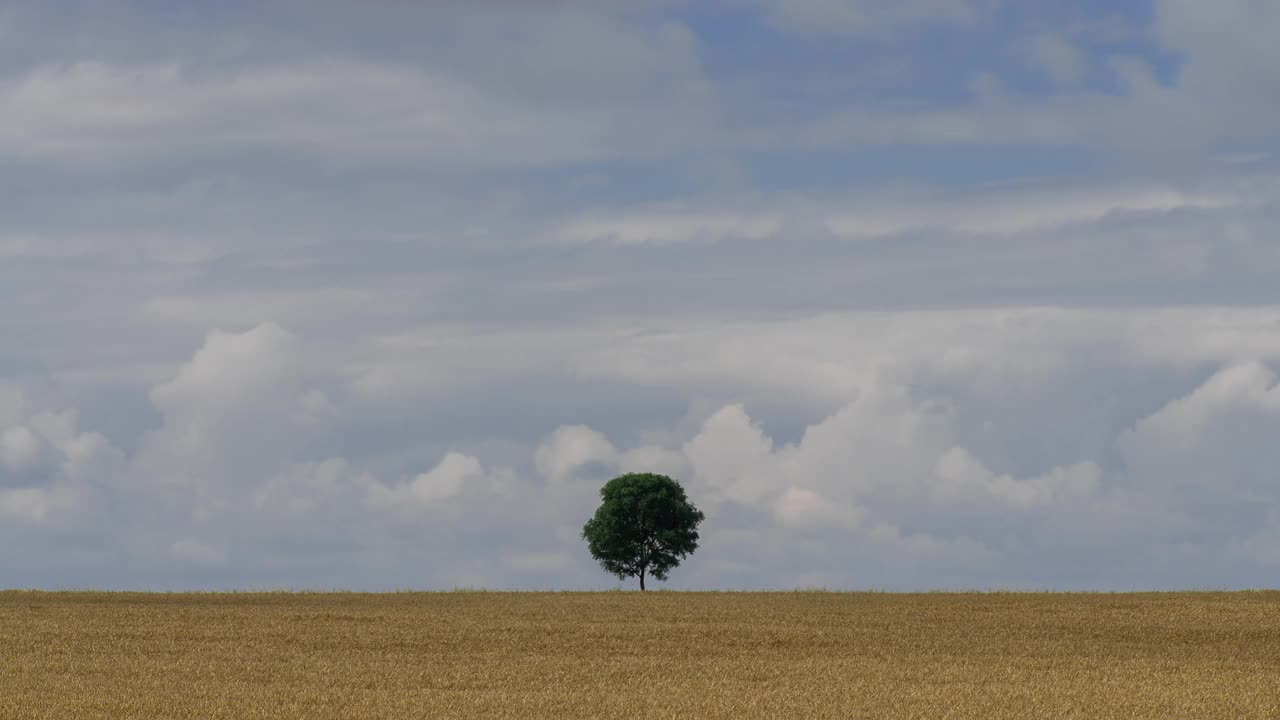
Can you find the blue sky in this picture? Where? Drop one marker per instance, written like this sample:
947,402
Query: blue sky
375,295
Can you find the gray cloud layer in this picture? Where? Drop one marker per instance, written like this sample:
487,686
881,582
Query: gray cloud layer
380,303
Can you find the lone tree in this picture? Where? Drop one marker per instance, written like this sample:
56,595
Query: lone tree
645,525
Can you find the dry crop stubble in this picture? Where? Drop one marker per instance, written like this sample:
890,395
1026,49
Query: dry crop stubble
630,655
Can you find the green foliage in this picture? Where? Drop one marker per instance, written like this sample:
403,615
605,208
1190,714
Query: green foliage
645,525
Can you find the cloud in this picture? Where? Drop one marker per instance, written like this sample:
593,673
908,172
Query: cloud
780,496
455,475
571,448
51,473
304,487
732,459
1012,211
92,109
963,478
839,355
1238,388
1216,438
232,411
241,309
11,405
888,472
574,458
347,314
1228,58
801,509
663,228
1064,62
918,471
455,109
35,505
197,552
19,448
230,369
858,17
588,85
1108,99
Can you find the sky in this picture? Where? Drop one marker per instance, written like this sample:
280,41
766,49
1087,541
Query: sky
375,295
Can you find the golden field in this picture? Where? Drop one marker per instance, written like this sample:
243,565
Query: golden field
632,655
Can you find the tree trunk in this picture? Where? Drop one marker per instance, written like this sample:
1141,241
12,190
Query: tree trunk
641,579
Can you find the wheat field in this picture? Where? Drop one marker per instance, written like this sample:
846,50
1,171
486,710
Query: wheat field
633,655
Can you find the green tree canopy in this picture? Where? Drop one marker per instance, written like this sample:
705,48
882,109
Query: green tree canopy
645,525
